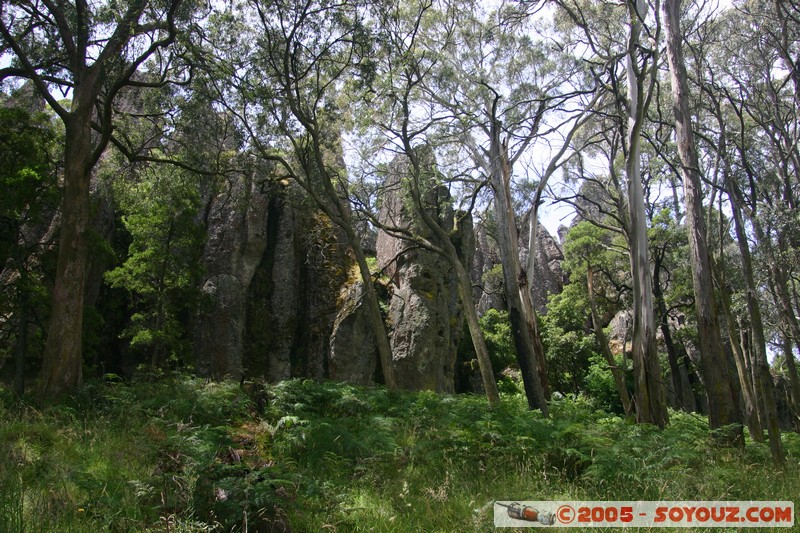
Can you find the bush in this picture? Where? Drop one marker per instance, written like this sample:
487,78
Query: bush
191,456
601,387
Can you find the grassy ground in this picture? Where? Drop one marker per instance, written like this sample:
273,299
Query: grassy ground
181,455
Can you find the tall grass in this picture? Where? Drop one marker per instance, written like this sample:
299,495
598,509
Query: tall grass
185,455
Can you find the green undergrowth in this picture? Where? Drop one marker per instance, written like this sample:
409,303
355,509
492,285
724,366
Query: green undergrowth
183,455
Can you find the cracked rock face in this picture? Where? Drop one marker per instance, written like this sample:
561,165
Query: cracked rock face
236,225
353,349
548,276
424,312
274,267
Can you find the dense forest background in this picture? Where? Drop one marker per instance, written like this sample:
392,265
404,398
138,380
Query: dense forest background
256,191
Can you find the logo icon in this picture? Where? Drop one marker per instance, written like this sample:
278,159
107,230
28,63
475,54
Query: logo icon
518,511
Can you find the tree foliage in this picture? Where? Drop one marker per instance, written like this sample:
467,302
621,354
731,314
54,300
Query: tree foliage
162,267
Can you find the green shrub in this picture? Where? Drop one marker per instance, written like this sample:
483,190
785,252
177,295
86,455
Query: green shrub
191,456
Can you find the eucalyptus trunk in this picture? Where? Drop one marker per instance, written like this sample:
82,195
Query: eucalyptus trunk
722,411
763,385
374,311
478,341
788,319
651,405
332,205
515,283
62,364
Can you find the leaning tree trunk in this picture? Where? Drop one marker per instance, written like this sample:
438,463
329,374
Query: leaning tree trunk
531,363
600,336
342,217
651,405
764,386
722,410
478,341
779,286
789,320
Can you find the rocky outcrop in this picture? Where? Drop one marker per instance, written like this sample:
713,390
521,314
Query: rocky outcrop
424,313
275,266
619,332
594,203
272,297
236,222
353,348
487,277
548,276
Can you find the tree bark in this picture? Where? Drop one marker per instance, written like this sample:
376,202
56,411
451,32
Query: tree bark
779,286
752,417
332,206
62,365
721,402
375,317
482,353
650,391
531,362
788,319
678,361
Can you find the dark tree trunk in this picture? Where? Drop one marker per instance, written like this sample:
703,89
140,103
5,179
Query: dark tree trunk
677,361
62,366
530,363
444,245
738,348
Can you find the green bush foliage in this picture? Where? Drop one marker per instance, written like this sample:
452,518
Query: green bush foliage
185,455
162,269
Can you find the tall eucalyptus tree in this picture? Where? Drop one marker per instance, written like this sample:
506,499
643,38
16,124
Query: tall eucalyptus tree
722,405
599,30
88,52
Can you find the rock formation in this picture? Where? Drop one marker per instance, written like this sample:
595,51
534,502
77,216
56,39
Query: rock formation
274,266
424,313
487,279
236,223
548,277
353,348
